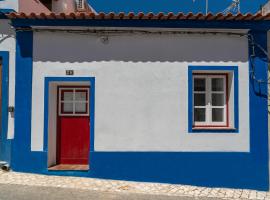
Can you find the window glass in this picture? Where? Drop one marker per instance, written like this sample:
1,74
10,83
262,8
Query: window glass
68,96
81,107
67,107
199,99
217,84
217,114
199,84
218,99
81,96
199,115
73,101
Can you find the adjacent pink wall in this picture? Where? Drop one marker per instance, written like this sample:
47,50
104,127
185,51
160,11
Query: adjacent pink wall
66,6
58,6
29,6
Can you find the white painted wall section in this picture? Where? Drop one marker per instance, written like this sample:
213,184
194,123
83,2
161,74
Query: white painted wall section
141,100
8,43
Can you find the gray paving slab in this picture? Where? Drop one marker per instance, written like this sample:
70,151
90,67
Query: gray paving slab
19,192
84,187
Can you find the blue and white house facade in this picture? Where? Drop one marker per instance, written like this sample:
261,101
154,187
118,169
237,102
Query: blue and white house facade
167,98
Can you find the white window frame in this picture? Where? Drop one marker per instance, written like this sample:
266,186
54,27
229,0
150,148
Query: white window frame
73,101
208,123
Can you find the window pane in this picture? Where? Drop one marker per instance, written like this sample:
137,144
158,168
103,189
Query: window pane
67,96
199,114
67,107
199,100
80,107
217,114
199,84
217,84
217,99
81,96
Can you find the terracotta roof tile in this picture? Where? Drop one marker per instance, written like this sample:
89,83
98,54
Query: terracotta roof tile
140,16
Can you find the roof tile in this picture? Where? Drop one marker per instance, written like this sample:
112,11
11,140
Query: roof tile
140,16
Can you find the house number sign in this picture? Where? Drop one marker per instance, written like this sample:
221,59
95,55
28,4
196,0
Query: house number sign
69,72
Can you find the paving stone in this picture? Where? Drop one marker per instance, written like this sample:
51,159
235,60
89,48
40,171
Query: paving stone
253,195
129,187
261,195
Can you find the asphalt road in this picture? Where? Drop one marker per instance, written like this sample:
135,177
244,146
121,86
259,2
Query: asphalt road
18,192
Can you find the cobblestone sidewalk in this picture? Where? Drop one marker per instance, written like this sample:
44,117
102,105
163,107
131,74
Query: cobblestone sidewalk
128,187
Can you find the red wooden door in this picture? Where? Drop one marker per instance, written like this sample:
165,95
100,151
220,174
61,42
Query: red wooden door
73,125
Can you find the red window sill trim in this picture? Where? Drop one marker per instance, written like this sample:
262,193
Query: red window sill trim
214,128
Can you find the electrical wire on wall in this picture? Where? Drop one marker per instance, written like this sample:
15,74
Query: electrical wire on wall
116,32
253,56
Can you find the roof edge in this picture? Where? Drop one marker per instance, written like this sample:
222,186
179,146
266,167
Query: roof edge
141,16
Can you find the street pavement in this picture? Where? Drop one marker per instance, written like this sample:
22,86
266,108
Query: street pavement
33,186
19,192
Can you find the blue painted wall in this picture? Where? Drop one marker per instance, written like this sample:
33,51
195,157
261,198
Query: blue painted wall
5,144
234,170
22,157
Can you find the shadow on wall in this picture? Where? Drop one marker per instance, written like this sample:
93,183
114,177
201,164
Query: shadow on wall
71,47
5,29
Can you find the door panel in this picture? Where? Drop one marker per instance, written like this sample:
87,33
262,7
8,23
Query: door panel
73,125
74,140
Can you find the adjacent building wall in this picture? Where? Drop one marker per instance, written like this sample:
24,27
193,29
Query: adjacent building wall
57,6
266,8
7,46
8,43
66,6
29,6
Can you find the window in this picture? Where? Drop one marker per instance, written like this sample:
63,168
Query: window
73,102
80,4
213,104
210,100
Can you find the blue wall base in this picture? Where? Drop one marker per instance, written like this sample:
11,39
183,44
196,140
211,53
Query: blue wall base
230,170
